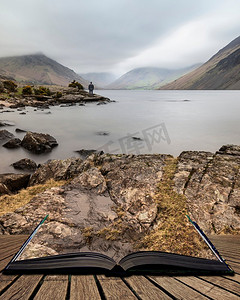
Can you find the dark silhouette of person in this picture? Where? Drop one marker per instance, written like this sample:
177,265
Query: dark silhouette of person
91,88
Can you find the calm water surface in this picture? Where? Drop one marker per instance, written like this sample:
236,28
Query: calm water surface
206,121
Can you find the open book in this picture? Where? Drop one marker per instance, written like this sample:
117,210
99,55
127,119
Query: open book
141,262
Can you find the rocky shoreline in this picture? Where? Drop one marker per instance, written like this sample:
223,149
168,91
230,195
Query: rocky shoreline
116,203
64,96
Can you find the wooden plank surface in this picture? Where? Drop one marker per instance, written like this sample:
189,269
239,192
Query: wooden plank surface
176,288
207,289
145,289
114,288
53,287
10,244
5,280
84,288
236,277
22,288
4,262
220,281
8,252
134,287
231,257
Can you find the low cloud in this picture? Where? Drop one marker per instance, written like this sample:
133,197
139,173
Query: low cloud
107,35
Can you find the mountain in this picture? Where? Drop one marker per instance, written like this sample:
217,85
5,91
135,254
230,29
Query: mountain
221,71
37,69
99,79
148,78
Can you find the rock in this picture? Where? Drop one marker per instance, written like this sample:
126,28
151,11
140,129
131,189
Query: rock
20,130
38,250
14,182
4,135
210,184
38,142
70,98
6,123
91,179
137,138
13,143
66,105
14,223
102,103
57,170
113,201
85,153
25,164
103,187
96,98
17,105
102,133
230,150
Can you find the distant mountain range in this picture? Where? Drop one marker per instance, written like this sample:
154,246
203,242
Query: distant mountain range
99,79
148,78
37,69
222,71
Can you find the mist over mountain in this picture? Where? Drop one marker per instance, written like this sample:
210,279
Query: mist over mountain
99,79
148,78
221,71
37,69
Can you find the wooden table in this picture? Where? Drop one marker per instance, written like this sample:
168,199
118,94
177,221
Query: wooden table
135,287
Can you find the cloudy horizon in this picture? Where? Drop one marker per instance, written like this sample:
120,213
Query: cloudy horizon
117,36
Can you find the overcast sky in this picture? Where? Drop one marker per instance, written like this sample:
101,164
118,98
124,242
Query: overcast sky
118,35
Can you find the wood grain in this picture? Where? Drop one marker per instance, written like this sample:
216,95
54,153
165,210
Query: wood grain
207,289
84,288
22,288
223,282
177,289
53,287
145,289
114,288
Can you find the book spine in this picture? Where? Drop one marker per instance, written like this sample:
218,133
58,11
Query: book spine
209,243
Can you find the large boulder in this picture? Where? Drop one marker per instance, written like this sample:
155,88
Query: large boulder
25,164
38,142
14,182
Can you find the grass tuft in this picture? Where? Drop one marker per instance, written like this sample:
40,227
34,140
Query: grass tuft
172,232
9,203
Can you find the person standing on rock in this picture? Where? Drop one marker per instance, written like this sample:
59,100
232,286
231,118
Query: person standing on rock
91,88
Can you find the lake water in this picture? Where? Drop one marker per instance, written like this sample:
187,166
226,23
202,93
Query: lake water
165,121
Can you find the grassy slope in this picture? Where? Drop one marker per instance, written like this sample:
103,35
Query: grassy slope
38,69
208,76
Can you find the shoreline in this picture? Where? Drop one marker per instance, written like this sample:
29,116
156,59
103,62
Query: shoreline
124,201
